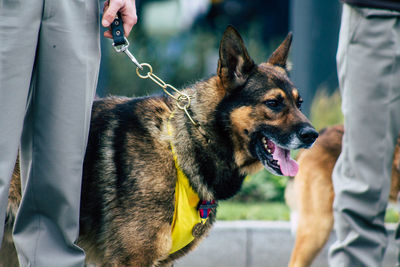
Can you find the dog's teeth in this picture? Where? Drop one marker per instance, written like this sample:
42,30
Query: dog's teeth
269,150
264,140
278,163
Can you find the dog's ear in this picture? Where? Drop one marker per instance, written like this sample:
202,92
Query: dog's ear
280,55
234,64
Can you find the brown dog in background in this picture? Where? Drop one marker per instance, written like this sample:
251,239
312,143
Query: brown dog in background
312,194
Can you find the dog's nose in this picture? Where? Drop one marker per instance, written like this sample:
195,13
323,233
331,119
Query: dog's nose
307,135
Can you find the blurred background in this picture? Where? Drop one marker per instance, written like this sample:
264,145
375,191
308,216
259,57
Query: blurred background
180,39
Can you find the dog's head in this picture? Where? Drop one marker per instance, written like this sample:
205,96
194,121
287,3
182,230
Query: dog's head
261,107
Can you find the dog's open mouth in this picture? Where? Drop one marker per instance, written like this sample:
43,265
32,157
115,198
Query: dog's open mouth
275,158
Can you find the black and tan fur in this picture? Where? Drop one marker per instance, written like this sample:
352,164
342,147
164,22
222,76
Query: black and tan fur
129,173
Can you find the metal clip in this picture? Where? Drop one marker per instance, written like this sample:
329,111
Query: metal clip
124,48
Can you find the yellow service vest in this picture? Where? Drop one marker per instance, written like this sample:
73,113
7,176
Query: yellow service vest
186,215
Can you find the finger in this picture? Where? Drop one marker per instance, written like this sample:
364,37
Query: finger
105,7
111,12
128,25
129,16
108,34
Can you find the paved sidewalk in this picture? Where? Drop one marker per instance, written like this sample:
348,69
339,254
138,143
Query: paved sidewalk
256,244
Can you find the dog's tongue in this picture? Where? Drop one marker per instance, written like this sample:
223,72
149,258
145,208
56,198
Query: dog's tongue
289,167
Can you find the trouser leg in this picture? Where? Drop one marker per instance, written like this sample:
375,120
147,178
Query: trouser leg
397,239
19,28
55,134
369,77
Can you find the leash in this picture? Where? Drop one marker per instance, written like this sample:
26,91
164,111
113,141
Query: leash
120,43
187,202
182,100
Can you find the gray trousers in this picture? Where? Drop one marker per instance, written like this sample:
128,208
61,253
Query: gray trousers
49,60
368,61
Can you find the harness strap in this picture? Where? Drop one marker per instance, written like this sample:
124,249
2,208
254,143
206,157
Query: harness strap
189,210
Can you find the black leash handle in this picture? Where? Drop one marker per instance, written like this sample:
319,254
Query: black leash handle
120,43
117,29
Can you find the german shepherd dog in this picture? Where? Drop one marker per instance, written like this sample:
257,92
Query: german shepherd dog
250,118
312,194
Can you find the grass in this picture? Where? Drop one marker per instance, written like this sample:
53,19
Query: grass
392,215
326,109
267,211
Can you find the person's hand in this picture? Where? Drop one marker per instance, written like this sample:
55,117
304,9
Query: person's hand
128,13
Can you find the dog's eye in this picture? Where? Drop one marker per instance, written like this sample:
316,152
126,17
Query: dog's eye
274,104
299,102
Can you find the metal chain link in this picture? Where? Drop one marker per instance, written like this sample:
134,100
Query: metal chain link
182,99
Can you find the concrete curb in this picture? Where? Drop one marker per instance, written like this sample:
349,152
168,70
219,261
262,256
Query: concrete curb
258,243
